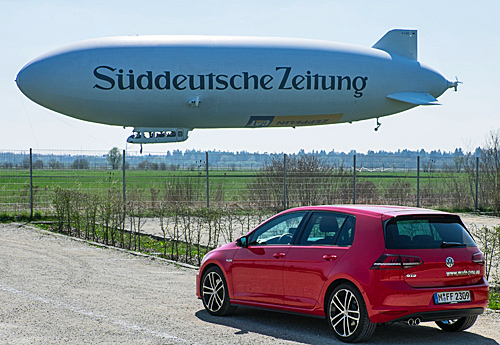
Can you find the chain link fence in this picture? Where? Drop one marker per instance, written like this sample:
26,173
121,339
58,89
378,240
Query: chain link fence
29,180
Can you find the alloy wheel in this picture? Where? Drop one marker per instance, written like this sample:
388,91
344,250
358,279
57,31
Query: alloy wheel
344,313
213,291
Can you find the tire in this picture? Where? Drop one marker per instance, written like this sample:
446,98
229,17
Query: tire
347,315
214,293
457,325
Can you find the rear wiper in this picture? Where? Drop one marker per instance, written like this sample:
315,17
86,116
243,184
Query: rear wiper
452,244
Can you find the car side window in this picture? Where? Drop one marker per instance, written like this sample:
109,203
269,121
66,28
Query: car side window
328,228
279,231
346,235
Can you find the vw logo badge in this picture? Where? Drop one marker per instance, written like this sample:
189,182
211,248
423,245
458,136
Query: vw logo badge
449,261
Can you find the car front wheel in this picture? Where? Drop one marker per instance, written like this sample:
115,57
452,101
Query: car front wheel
457,325
214,293
347,315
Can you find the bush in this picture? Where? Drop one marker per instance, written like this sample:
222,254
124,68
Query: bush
310,180
488,240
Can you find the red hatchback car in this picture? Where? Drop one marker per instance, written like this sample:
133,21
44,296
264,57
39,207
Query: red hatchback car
357,266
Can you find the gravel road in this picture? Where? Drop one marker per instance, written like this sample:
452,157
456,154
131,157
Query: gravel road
54,290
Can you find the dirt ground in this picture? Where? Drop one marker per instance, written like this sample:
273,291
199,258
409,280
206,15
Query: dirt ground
479,220
54,289
152,226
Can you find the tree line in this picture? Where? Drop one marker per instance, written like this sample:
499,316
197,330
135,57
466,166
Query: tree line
195,159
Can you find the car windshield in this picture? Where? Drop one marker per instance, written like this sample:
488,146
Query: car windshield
425,233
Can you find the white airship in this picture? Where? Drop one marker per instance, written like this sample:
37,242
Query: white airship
164,86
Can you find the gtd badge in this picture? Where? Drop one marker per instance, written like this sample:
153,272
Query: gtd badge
449,261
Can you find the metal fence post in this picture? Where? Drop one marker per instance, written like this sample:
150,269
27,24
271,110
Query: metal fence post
124,190
354,180
284,181
418,181
476,203
208,182
124,180
31,183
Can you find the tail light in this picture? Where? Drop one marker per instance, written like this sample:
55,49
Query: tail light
478,258
396,262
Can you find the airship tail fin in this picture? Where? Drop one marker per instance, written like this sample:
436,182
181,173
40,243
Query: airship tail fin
416,98
400,42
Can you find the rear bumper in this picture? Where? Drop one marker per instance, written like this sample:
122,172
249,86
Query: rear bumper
442,315
396,301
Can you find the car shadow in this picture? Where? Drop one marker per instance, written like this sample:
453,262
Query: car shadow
310,330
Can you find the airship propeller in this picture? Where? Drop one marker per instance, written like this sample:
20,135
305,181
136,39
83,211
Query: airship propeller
454,84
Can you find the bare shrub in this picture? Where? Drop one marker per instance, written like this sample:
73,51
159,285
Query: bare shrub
310,180
430,192
488,240
79,213
267,188
162,212
399,192
62,205
137,212
92,203
456,186
490,171
367,193
184,189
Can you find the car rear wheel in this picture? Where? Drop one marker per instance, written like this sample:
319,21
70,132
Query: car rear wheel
347,315
457,325
214,293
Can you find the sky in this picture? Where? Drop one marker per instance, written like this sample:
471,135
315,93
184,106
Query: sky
457,38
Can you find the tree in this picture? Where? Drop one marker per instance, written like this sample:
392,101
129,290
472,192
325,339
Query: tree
38,164
80,163
144,165
26,163
114,158
53,164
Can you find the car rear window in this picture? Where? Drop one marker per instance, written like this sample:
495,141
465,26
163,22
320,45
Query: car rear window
425,233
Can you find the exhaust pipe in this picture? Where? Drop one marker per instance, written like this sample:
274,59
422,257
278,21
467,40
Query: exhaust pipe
414,322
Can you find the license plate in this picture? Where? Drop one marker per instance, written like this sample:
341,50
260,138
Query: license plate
452,297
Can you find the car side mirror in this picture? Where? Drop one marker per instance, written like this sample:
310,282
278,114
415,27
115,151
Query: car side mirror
242,242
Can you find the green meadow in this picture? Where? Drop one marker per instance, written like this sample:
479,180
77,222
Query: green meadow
238,186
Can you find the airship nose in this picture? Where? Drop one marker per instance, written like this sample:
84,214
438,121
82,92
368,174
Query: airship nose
19,79
50,81
25,81
33,80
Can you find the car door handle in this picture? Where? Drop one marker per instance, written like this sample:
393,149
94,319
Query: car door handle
279,255
330,257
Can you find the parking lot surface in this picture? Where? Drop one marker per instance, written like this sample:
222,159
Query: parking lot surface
54,290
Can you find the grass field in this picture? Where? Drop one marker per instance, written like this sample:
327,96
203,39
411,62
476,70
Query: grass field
230,186
144,185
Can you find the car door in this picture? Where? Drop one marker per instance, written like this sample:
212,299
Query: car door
326,238
257,270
